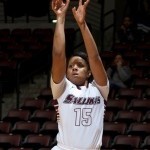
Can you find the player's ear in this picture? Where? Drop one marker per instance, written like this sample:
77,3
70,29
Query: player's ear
89,73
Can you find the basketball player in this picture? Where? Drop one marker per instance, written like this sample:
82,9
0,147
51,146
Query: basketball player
80,101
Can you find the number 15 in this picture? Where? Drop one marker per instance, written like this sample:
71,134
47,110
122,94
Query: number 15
83,116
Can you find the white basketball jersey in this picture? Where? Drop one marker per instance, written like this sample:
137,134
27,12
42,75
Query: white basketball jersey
81,114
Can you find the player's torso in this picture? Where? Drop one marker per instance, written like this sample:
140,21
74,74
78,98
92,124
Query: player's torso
81,117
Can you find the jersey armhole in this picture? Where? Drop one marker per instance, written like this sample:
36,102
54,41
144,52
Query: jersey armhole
104,90
58,89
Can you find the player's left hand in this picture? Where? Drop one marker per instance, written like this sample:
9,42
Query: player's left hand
59,6
80,12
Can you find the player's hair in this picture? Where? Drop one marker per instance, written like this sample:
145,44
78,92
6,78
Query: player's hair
84,56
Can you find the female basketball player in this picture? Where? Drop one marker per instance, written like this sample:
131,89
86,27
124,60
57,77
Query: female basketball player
80,101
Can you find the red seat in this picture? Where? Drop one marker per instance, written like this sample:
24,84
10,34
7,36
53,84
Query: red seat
25,127
147,93
37,141
10,140
5,32
116,104
42,33
146,143
46,94
5,127
109,116
137,73
15,115
49,128
113,128
141,83
130,93
107,57
142,105
43,115
19,33
128,116
120,48
133,56
142,129
146,117
142,64
106,141
125,142
33,104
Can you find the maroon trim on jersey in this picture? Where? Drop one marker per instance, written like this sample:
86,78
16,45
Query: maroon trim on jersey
105,102
54,102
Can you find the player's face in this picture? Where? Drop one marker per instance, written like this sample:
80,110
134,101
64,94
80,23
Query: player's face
78,71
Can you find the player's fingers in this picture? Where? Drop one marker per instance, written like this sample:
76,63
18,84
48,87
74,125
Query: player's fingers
67,2
86,3
55,4
80,2
74,10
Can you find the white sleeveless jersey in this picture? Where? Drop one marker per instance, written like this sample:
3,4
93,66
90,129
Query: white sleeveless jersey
80,117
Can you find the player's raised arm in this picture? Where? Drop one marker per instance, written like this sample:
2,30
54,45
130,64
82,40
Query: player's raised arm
95,61
58,52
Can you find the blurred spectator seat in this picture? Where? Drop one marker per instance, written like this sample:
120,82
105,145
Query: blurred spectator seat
146,117
147,93
146,143
10,140
5,41
137,73
145,48
114,128
19,33
49,128
129,93
42,33
46,94
116,104
141,64
107,56
142,129
128,117
25,127
109,116
37,141
33,104
15,115
42,116
133,56
5,127
5,32
142,105
121,48
124,142
106,141
141,83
